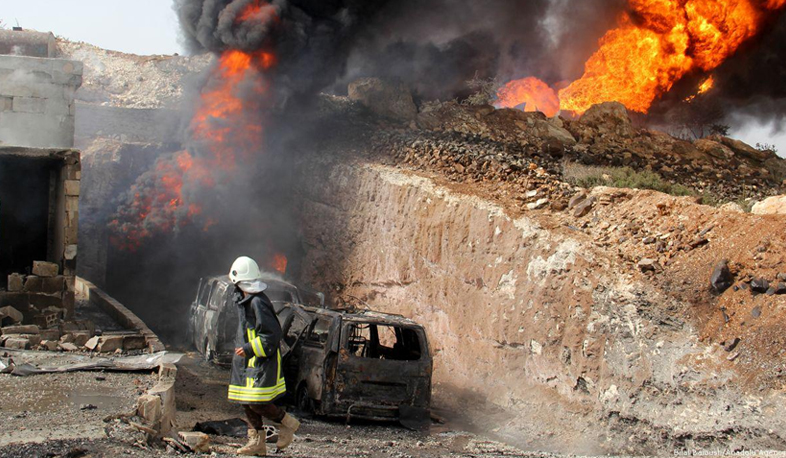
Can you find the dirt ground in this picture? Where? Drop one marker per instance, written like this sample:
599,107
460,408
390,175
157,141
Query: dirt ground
51,407
49,417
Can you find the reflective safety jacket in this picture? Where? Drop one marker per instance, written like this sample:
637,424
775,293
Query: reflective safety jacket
257,378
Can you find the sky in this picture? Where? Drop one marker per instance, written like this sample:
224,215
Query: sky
150,27
133,26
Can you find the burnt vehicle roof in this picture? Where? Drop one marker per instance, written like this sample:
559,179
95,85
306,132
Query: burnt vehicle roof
368,316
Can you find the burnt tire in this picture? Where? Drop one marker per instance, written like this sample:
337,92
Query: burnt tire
304,403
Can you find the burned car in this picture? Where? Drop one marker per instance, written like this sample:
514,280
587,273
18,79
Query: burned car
362,364
341,363
213,316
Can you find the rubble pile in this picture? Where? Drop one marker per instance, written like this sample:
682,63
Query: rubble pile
39,320
482,144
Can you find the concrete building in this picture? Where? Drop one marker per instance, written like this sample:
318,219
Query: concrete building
40,176
36,92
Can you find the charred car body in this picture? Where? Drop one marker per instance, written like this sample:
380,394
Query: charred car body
348,363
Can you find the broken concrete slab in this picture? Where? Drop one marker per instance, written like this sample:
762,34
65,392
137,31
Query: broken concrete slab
15,282
45,269
165,390
24,329
80,338
49,345
67,338
19,343
66,346
92,343
134,342
148,407
50,334
12,314
110,343
196,441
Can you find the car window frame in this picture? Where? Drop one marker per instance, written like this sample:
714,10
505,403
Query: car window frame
217,295
210,284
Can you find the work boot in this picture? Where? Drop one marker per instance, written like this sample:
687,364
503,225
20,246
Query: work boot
286,432
256,444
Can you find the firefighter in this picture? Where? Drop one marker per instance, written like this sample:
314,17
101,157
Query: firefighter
257,379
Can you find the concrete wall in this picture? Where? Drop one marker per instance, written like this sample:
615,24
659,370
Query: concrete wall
37,101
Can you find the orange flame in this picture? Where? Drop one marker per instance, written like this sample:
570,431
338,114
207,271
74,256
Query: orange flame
533,93
657,43
279,263
708,84
228,138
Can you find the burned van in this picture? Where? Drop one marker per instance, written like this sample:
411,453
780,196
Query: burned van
362,364
213,316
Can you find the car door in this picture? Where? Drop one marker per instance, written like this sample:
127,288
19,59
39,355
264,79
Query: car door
200,331
215,305
314,353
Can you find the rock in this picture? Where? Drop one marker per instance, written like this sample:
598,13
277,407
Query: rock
15,283
713,148
559,205
648,240
18,343
45,269
12,314
537,205
109,344
721,278
648,265
66,346
780,288
781,276
610,117
732,207
756,312
760,285
577,199
732,345
26,329
391,100
743,149
92,343
775,205
584,207
196,441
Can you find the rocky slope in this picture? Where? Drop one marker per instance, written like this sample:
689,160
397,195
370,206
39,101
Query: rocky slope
125,80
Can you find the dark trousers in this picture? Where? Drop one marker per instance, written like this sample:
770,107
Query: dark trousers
255,412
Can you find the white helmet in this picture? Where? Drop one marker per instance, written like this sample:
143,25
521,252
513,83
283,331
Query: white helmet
244,269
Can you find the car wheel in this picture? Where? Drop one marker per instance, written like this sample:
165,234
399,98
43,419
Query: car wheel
304,403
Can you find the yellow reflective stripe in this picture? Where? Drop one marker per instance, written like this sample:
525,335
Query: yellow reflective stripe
254,390
256,345
260,398
278,374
